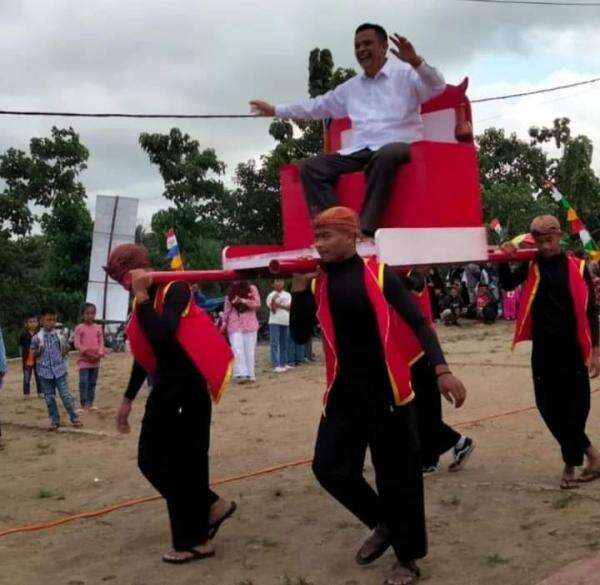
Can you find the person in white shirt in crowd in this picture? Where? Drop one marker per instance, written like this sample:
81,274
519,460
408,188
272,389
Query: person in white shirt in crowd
278,302
384,106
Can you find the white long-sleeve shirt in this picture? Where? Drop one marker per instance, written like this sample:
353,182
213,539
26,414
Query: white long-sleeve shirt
383,109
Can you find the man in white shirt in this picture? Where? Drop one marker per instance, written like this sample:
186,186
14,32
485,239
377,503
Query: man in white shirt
279,301
384,105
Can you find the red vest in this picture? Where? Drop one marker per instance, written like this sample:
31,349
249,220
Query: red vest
199,338
579,293
400,346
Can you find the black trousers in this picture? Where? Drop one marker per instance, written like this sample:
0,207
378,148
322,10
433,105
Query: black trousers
342,441
173,456
562,395
436,436
320,174
28,372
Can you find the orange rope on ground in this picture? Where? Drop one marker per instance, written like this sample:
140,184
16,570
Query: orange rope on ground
234,478
136,501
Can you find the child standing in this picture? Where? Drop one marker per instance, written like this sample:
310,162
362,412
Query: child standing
51,366
89,341
31,328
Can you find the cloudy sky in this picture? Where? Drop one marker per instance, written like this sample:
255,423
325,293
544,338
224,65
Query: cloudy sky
212,56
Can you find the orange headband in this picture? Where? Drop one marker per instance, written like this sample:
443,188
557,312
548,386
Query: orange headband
338,218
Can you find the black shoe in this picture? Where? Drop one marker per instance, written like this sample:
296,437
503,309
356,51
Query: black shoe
374,546
462,454
429,470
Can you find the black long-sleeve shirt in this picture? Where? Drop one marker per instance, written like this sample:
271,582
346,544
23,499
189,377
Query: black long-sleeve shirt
554,329
25,344
358,344
175,372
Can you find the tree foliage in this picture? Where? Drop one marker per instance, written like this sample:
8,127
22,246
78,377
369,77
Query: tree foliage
48,173
50,268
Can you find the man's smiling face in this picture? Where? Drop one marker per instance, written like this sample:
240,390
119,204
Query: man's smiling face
370,51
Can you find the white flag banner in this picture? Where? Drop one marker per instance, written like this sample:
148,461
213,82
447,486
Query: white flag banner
114,224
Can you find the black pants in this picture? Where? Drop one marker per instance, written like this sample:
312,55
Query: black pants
28,372
342,441
173,456
435,435
320,174
562,395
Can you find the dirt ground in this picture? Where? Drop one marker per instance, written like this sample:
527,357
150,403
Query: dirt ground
501,520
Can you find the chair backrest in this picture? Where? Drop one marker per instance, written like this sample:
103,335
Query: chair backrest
442,117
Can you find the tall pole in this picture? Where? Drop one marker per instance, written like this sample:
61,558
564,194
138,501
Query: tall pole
110,241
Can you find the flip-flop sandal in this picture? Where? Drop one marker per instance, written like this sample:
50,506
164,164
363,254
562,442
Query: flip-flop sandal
569,484
196,556
588,475
214,528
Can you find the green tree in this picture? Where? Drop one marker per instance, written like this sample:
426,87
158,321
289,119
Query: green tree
192,179
512,173
48,173
572,171
510,160
50,268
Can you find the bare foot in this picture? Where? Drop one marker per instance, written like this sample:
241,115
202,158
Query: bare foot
403,574
220,511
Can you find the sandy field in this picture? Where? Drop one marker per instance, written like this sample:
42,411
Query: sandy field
502,520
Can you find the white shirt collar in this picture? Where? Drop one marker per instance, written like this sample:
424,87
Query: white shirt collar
386,70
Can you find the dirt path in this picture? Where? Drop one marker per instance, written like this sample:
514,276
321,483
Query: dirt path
502,520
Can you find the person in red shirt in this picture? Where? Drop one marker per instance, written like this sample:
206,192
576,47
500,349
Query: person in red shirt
89,341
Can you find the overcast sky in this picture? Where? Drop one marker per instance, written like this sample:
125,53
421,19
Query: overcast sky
212,56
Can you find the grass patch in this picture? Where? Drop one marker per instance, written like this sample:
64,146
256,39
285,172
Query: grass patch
453,501
43,494
563,501
494,560
287,580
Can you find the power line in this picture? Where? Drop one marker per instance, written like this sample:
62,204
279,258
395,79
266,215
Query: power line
108,115
234,116
535,3
533,92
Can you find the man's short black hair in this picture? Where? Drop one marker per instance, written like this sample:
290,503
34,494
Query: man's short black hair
48,311
379,30
88,306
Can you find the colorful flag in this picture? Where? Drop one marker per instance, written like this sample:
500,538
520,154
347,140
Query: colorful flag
575,224
173,251
523,241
